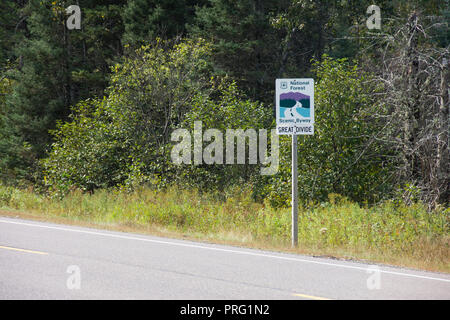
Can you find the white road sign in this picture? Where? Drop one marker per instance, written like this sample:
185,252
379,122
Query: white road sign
294,99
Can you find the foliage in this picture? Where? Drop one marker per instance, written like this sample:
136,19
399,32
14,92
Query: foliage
343,156
382,141
245,44
415,74
125,135
146,20
229,110
89,152
52,68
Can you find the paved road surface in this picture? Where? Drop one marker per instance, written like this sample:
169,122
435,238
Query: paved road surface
51,261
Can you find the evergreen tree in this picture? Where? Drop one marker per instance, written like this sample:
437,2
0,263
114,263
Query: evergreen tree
94,48
145,20
56,68
247,47
39,95
9,29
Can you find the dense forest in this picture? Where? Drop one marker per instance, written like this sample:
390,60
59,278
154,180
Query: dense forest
94,108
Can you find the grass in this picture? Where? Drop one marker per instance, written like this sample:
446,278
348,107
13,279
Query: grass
390,233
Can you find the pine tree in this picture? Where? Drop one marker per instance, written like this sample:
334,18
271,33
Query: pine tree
145,20
247,47
9,29
56,68
39,95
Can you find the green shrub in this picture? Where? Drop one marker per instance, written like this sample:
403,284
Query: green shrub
123,138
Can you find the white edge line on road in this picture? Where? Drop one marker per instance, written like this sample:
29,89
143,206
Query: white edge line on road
221,249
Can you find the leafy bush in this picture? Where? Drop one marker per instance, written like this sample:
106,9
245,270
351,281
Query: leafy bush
124,137
90,152
227,108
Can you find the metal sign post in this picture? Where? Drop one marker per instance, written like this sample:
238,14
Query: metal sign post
294,231
294,102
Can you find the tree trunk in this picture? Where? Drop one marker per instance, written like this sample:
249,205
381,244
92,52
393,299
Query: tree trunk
443,180
411,111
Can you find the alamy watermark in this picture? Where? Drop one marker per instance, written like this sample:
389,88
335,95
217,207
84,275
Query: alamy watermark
374,280
189,148
74,280
374,21
74,20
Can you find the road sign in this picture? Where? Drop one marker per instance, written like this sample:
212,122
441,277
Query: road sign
294,101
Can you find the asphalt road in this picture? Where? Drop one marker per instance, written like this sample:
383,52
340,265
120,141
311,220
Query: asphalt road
51,261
